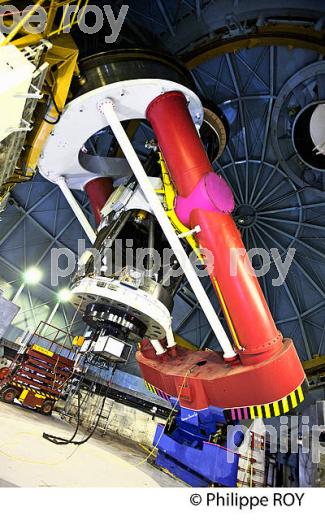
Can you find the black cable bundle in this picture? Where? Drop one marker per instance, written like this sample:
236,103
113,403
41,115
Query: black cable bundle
61,441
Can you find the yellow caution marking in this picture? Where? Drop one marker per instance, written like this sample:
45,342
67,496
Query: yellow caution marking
42,350
267,411
38,393
150,387
285,404
276,408
40,396
300,394
23,395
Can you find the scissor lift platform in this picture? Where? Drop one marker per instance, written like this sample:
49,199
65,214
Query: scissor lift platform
38,375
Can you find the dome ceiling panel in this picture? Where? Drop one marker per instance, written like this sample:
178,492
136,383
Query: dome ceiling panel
272,210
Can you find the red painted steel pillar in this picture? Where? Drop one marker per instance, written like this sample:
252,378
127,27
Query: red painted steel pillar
98,191
205,200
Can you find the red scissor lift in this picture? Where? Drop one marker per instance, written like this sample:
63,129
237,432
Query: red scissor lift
38,375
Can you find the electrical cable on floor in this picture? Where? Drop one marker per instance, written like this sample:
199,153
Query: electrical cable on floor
32,461
77,444
62,441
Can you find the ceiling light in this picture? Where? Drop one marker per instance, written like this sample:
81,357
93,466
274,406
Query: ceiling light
64,295
32,276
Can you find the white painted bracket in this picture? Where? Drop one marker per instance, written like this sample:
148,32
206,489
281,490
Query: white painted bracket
190,232
76,209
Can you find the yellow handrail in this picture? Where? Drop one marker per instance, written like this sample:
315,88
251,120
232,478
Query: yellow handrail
20,24
73,21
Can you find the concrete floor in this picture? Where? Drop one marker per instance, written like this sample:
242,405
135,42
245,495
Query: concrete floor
28,460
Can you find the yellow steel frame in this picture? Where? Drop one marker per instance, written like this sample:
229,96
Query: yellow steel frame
80,5
51,8
20,24
169,198
62,59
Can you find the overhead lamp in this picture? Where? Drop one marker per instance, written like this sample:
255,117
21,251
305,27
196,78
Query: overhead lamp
32,275
64,295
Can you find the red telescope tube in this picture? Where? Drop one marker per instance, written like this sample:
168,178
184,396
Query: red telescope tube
98,191
189,168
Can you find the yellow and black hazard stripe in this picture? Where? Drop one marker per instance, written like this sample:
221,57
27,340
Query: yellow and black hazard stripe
38,393
274,409
156,391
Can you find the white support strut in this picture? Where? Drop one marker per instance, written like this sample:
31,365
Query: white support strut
107,108
76,209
